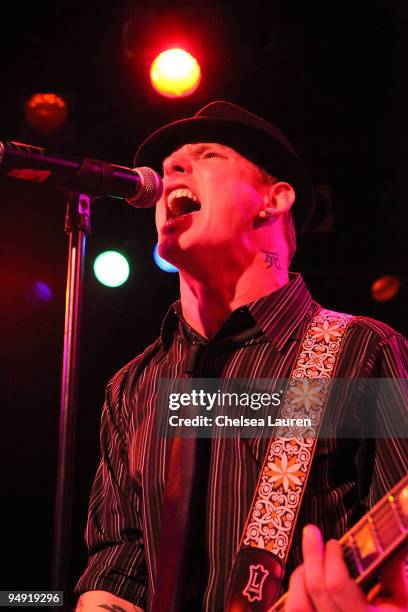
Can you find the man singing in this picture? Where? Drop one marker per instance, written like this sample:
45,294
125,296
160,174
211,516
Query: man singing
166,516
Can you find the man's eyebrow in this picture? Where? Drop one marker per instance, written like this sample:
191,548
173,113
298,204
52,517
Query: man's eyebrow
206,145
199,147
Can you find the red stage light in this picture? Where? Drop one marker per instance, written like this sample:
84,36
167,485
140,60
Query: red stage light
175,73
385,288
46,112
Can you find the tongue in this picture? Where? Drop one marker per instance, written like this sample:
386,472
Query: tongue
183,206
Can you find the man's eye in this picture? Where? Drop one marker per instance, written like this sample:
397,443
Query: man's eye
209,154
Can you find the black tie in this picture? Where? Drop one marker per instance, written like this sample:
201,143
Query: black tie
181,551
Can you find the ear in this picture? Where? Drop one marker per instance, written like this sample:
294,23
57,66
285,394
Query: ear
281,197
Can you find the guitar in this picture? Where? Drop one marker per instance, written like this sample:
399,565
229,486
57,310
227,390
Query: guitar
376,536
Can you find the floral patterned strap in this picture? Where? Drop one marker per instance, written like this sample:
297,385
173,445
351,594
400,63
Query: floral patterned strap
273,513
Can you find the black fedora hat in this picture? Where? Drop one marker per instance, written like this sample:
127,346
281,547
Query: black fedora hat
256,139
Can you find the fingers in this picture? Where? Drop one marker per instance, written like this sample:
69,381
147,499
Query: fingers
322,583
298,599
314,569
327,579
343,592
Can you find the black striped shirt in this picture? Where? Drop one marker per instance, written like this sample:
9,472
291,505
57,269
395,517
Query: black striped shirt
260,340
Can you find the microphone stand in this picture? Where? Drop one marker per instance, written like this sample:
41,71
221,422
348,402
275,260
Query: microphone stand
77,226
143,187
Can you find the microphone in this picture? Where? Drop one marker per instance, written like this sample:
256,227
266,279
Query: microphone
140,187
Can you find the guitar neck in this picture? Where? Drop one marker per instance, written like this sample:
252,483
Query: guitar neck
375,537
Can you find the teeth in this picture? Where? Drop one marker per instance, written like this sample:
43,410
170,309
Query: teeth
180,193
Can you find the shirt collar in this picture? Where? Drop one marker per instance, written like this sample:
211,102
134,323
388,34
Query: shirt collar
169,325
278,314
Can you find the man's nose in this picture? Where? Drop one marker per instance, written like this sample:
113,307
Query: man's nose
177,163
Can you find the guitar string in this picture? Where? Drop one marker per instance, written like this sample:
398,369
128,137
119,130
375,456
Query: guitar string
386,533
380,517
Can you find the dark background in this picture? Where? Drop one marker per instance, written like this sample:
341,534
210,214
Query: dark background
332,75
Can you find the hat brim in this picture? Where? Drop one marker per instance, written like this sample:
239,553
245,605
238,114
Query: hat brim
255,144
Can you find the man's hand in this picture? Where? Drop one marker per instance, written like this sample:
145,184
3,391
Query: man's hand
322,583
94,601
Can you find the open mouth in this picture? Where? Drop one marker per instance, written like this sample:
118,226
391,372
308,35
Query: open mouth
181,202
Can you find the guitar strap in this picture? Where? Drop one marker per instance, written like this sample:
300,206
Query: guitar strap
260,561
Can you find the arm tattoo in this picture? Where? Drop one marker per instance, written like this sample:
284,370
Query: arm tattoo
272,260
112,607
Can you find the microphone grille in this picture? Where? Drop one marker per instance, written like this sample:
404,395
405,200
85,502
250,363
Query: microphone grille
150,188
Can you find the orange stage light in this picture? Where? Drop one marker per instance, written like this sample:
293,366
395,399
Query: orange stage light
385,288
46,112
175,73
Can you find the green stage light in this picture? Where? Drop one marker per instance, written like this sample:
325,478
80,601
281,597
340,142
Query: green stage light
111,268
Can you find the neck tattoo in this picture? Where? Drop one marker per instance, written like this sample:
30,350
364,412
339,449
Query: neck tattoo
272,260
